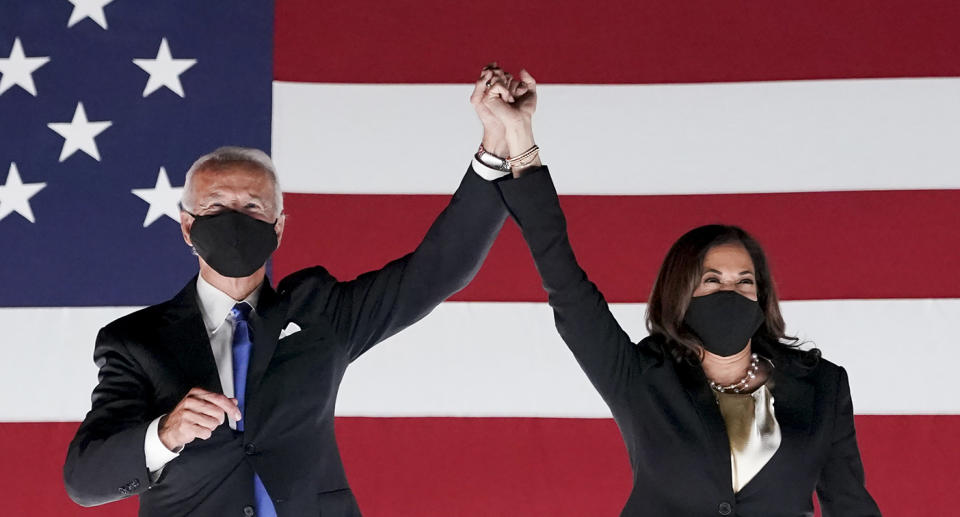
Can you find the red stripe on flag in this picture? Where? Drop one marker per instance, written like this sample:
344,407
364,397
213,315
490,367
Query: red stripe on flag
505,466
822,245
622,41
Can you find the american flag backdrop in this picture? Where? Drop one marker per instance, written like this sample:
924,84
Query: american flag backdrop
830,129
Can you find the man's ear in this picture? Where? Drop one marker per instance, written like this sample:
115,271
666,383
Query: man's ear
186,223
279,227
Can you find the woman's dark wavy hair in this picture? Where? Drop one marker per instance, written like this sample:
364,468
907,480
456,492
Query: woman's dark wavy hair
679,277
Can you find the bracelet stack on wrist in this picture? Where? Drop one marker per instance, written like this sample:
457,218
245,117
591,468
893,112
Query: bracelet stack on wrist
525,158
491,160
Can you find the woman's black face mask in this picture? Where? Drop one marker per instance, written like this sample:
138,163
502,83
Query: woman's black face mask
724,321
233,243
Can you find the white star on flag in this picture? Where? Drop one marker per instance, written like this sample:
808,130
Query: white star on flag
164,70
18,69
92,9
164,200
79,134
15,195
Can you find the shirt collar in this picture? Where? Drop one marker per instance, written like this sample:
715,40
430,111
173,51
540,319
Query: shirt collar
215,304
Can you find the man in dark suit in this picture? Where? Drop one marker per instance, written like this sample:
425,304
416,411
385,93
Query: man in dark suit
221,401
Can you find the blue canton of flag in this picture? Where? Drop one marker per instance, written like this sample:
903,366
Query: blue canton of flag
104,104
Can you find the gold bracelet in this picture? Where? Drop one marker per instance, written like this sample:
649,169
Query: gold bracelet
525,158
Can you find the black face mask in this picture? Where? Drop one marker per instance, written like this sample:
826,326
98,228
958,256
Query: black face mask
724,321
233,243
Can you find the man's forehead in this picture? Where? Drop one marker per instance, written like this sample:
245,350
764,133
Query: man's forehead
232,177
243,183
232,170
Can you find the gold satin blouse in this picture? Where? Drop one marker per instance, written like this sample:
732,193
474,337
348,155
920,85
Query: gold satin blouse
753,431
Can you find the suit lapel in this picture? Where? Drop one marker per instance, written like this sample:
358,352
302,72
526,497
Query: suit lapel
186,336
715,430
265,325
792,403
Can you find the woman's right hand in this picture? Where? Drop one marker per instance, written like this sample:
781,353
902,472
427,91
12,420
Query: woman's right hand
492,78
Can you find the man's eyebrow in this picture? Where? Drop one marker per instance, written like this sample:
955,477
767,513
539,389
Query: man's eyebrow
211,195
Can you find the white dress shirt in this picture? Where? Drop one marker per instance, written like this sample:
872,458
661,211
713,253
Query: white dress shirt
215,306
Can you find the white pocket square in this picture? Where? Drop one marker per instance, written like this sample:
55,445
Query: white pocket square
290,329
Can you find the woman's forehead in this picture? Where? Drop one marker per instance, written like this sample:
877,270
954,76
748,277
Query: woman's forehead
731,256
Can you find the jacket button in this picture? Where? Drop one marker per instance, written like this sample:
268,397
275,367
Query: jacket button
248,511
724,508
250,449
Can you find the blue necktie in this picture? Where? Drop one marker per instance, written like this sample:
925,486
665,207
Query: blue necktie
241,362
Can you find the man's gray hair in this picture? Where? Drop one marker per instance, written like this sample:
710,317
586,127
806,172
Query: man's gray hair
232,155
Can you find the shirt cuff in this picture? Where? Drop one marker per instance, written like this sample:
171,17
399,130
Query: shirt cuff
486,172
156,453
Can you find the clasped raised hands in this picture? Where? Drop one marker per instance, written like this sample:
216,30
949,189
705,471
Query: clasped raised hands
505,105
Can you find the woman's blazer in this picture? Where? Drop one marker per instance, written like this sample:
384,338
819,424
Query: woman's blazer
669,418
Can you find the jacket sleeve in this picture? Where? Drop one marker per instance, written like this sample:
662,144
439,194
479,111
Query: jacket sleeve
105,461
581,314
841,488
380,303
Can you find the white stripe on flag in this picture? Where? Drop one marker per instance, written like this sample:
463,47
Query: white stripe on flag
631,139
506,359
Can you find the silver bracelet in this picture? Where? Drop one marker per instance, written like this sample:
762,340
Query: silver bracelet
491,160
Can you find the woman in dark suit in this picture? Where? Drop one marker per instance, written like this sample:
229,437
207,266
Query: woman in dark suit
721,413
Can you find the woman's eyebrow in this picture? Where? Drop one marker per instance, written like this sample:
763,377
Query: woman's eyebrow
742,273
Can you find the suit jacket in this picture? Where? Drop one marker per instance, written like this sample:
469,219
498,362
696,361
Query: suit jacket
669,418
148,361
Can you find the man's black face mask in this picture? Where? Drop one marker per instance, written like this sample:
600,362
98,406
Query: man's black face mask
233,243
724,321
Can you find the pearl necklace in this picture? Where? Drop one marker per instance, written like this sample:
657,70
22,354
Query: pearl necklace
741,385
